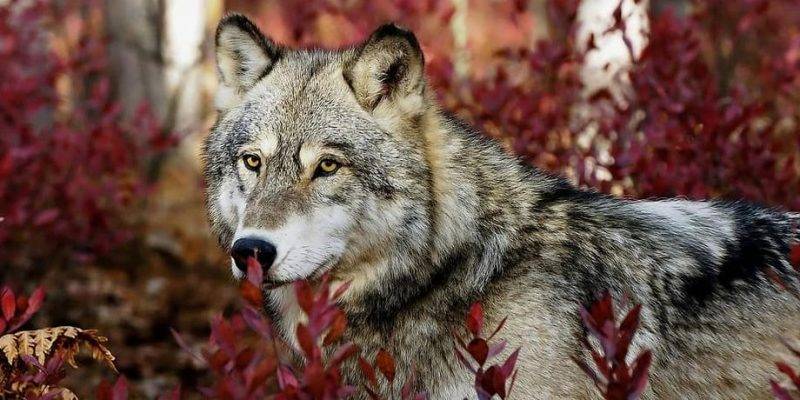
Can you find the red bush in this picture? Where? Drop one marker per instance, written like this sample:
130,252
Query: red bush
702,121
17,309
70,165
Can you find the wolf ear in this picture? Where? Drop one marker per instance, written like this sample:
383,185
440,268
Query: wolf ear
388,67
244,54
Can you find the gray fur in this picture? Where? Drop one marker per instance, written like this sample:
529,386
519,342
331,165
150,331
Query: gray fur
426,216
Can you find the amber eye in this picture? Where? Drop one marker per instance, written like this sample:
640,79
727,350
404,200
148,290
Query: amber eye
326,167
251,162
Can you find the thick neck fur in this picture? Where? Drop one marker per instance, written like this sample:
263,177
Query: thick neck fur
480,197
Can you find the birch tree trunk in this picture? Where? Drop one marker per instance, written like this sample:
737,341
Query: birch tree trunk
161,53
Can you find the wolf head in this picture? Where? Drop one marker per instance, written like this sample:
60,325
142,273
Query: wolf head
316,160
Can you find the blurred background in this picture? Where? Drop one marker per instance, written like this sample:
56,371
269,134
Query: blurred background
104,106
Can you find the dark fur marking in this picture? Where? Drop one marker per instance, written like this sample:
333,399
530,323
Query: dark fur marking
392,76
564,192
402,293
759,242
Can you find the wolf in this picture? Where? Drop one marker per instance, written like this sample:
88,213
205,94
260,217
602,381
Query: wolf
340,162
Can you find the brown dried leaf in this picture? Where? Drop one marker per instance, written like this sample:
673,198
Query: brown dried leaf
42,343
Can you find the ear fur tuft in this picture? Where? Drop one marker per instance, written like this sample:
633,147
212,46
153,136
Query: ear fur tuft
244,54
387,67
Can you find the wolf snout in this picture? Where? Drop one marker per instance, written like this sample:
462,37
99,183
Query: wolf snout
244,248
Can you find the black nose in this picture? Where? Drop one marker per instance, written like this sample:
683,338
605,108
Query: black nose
244,248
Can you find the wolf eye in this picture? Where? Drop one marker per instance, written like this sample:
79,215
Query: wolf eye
326,167
251,162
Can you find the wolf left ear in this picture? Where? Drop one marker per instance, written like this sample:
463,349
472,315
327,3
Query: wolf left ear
244,54
388,67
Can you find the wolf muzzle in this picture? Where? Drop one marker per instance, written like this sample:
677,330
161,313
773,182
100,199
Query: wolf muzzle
261,250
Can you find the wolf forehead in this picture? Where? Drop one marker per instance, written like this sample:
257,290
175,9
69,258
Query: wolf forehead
304,98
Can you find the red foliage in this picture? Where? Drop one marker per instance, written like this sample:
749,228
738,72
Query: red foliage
781,392
490,380
240,366
319,378
17,309
703,122
384,362
70,164
38,375
617,380
247,367
117,391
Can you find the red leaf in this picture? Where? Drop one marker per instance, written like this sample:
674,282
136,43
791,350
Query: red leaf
183,345
493,381
496,349
341,290
258,376
223,335
479,350
305,296
499,326
314,378
343,353
257,322
464,361
385,363
603,309
306,341
640,374
794,256
286,378
8,303
368,371
251,293
36,300
255,274
631,321
779,392
336,330
244,358
475,319
405,391
45,217
103,390
120,390
788,371
510,363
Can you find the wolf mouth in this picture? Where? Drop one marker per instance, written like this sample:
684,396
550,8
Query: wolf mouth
322,268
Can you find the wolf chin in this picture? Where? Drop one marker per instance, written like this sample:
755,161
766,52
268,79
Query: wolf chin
341,162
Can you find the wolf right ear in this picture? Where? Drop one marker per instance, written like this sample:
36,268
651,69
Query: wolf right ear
244,54
388,67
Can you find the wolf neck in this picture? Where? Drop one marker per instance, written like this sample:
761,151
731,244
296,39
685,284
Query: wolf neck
480,193
479,199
